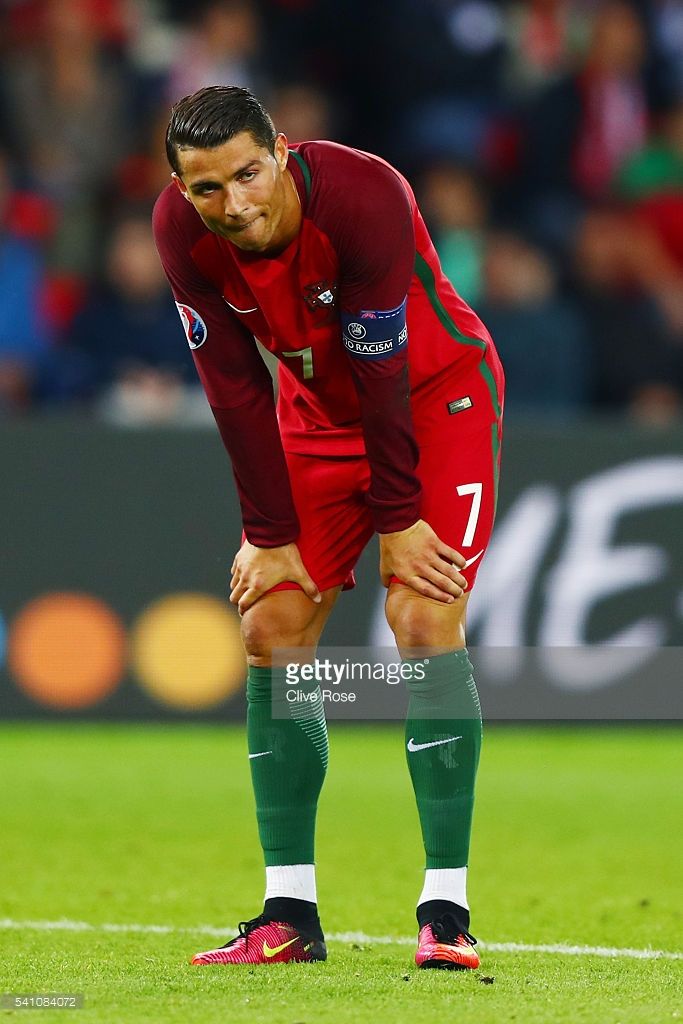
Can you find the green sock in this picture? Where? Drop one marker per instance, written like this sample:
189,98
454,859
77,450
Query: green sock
444,706
288,759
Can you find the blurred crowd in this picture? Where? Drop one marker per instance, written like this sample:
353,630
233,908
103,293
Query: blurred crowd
544,139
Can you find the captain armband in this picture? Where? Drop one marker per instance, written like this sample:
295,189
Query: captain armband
375,334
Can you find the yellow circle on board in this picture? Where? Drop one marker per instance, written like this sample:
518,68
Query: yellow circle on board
67,650
186,651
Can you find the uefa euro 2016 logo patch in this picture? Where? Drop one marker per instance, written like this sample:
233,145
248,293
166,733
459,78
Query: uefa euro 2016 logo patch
196,330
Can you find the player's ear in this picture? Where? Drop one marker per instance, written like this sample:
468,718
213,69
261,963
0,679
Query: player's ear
281,150
182,187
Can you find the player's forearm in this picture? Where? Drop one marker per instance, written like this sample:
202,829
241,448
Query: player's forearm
395,493
251,436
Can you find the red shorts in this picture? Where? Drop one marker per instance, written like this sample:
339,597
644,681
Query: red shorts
458,471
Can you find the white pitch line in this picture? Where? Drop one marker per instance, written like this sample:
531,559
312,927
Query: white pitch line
64,925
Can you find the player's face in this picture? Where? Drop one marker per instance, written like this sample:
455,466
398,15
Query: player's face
242,192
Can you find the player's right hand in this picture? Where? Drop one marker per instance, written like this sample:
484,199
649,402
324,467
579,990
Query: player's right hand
422,561
256,570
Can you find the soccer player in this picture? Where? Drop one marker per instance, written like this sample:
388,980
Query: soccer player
388,420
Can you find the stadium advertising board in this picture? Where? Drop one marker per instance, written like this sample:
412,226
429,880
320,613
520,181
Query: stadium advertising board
114,572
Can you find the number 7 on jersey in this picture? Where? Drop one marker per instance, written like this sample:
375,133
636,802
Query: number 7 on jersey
475,490
306,355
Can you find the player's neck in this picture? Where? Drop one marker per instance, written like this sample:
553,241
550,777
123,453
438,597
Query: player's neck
290,222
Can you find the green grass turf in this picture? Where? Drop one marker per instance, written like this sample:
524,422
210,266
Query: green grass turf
577,840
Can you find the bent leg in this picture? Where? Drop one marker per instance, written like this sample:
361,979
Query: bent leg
460,428
288,751
422,626
285,619
288,748
443,742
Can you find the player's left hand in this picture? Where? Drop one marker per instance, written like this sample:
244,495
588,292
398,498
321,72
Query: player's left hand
256,570
422,561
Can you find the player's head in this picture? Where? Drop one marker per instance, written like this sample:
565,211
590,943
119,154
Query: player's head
229,162
214,115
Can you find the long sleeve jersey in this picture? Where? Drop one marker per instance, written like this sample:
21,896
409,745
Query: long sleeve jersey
327,307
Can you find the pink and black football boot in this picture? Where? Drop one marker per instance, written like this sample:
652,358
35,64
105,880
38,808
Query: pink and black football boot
262,941
444,943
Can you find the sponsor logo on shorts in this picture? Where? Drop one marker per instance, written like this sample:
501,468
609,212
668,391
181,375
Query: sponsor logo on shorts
196,330
459,405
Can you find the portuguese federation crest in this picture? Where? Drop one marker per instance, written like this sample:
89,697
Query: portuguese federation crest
320,295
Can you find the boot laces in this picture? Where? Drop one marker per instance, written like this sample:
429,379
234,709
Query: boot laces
245,928
446,929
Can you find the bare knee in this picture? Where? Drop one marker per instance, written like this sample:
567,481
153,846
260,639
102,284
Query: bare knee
284,619
421,625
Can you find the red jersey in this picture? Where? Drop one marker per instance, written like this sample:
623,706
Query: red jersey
362,249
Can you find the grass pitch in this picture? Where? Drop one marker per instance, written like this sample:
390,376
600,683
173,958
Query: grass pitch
577,842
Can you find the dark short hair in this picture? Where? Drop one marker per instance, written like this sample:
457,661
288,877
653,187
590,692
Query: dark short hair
212,116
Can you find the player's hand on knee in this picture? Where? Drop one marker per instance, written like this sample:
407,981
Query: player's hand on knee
255,571
423,562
